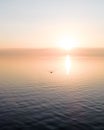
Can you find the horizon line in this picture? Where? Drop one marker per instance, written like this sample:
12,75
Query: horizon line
50,48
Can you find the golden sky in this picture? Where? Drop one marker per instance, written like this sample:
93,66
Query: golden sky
46,23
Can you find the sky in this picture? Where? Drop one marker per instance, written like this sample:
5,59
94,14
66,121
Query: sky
45,23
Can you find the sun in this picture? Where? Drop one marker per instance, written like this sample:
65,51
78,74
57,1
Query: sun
67,43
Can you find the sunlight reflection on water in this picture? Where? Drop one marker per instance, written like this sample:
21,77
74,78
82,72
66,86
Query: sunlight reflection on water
68,64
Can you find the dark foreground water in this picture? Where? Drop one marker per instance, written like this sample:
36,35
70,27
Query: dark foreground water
51,93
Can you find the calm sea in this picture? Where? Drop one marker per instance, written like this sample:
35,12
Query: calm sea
51,93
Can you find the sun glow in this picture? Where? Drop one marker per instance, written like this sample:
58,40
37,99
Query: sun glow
67,43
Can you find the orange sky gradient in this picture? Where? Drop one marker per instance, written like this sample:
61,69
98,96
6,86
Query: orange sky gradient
43,23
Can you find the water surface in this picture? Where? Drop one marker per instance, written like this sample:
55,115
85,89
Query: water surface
71,97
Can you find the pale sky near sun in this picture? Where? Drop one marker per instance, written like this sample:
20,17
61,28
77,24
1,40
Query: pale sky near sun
43,23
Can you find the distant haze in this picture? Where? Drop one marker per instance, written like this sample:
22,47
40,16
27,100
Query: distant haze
41,23
89,52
